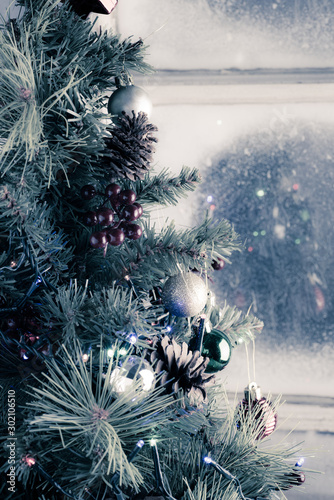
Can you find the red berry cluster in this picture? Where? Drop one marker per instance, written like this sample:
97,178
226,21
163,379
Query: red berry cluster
117,220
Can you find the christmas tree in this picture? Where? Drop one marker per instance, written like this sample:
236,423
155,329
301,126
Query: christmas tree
111,341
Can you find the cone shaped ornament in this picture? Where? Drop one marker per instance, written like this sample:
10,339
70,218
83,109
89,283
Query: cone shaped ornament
184,295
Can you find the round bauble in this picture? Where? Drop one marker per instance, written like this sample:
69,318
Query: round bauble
217,347
257,412
128,99
184,295
133,369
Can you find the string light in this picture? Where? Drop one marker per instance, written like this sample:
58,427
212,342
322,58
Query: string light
163,488
227,474
300,462
31,462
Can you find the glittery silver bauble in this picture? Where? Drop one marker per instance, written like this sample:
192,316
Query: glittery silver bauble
128,99
184,295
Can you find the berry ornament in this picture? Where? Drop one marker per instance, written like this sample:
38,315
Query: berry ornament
291,479
105,216
115,237
99,239
218,264
90,219
117,220
256,412
127,197
184,295
132,231
127,99
88,192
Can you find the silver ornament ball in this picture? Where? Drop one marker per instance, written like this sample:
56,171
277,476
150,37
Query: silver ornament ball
184,295
128,99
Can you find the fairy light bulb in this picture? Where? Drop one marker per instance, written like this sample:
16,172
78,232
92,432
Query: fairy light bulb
132,338
30,461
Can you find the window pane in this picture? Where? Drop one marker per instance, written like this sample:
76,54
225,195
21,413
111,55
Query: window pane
216,34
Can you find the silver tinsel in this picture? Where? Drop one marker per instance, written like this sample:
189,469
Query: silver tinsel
184,295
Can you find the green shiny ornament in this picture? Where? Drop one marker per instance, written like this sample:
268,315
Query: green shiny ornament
128,99
184,295
217,347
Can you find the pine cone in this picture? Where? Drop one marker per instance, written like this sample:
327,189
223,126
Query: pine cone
130,147
184,369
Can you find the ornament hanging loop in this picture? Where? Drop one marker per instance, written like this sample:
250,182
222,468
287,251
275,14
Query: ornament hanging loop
253,392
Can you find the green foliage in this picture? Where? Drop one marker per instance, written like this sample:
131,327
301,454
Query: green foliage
77,414
163,189
100,316
55,70
239,327
159,255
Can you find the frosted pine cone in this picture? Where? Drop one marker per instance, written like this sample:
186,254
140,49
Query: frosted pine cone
184,369
130,148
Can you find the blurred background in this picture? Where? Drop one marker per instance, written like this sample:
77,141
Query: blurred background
244,91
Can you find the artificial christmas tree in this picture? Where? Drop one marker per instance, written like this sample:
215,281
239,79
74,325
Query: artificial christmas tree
105,392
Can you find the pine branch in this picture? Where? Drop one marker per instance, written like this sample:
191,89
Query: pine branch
75,411
155,256
164,189
54,70
238,326
100,316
